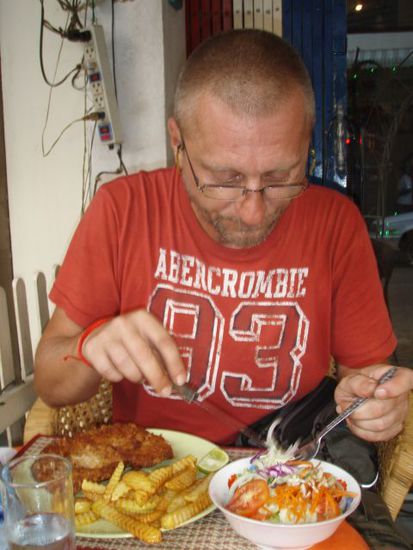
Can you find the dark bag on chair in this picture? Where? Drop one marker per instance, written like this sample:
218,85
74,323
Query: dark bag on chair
303,419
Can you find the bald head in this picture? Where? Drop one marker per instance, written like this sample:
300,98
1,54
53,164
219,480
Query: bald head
253,72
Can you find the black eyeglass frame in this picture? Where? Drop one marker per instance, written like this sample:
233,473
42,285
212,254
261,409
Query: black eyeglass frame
202,187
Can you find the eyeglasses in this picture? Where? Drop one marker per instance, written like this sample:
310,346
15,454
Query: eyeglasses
230,192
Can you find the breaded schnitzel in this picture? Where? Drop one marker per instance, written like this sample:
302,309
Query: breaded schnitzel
95,453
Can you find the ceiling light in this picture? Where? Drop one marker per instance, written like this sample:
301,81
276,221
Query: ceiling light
358,7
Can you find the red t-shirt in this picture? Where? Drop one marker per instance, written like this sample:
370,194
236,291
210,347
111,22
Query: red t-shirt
255,327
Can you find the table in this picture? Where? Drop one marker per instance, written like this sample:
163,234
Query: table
212,532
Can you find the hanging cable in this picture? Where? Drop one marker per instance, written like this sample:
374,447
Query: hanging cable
90,116
93,12
87,169
50,97
73,9
122,166
118,171
75,70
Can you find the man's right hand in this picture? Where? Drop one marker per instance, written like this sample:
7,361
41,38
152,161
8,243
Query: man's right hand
137,347
134,346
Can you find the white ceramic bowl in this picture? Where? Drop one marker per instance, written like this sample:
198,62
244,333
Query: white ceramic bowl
275,536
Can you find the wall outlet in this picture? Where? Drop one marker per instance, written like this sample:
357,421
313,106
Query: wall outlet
101,84
89,53
97,88
99,103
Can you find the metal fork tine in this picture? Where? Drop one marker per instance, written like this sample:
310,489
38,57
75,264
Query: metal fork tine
187,393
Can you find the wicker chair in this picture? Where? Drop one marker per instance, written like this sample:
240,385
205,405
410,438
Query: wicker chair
396,456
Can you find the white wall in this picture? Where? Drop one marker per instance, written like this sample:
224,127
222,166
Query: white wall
45,193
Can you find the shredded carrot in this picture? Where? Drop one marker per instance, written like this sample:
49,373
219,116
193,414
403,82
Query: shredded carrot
299,463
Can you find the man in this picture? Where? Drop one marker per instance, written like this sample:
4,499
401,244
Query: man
226,271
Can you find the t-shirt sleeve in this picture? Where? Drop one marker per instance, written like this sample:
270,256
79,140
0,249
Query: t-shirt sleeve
86,287
362,333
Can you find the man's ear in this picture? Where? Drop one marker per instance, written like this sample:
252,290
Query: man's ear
174,135
176,141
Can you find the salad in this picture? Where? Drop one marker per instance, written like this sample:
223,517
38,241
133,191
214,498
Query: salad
277,488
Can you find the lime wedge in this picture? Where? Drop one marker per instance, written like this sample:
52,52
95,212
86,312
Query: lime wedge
213,461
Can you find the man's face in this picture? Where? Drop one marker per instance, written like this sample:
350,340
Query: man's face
226,147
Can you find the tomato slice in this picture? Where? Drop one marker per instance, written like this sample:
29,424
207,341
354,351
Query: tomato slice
249,497
261,514
231,480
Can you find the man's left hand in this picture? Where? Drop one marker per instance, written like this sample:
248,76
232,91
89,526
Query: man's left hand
382,416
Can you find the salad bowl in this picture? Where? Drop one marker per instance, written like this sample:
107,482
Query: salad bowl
280,536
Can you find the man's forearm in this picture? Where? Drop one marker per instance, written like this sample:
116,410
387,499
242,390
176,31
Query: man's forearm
63,382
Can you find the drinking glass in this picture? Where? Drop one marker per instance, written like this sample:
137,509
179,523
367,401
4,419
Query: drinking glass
38,503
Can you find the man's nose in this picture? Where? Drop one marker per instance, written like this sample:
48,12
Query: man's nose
252,208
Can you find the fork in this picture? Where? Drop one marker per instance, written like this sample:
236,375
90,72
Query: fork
310,449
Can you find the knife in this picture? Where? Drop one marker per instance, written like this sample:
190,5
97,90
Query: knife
190,395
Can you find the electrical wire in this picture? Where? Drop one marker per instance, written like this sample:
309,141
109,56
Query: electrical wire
76,76
49,150
46,153
121,168
50,27
75,70
73,9
119,151
113,46
87,169
93,12
87,157
50,97
121,164
118,171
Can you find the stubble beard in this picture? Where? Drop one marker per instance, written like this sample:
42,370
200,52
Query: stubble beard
231,231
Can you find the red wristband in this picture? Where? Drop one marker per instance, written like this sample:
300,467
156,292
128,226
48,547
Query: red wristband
82,338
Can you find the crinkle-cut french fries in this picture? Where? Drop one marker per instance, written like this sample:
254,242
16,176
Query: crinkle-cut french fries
160,476
177,502
183,480
92,487
120,490
113,481
82,505
137,480
173,519
142,531
130,507
143,503
183,463
166,498
85,518
196,489
150,517
92,496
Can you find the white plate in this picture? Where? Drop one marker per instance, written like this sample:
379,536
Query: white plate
182,444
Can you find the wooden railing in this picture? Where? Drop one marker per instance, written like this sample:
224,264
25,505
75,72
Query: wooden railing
16,362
